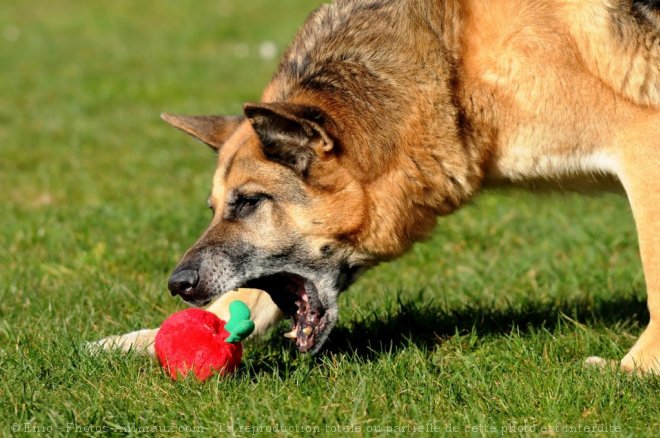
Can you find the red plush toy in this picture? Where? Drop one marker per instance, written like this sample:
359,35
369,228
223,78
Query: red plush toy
198,341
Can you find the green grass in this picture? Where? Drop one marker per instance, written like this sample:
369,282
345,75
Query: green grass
485,325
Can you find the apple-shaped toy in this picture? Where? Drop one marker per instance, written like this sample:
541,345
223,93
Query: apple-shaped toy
197,340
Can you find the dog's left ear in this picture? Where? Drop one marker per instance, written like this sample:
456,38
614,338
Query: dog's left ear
291,134
212,130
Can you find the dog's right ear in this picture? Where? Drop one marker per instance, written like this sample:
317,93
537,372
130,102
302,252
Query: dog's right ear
212,130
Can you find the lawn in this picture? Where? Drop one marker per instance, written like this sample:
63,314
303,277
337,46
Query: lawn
481,330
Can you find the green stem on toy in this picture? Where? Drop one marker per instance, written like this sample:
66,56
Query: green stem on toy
239,325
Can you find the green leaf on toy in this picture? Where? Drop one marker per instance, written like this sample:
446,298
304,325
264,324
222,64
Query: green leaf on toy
239,325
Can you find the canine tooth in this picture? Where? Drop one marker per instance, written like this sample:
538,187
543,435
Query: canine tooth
307,331
292,334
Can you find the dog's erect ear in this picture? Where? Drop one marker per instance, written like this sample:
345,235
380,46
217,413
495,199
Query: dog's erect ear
291,134
212,130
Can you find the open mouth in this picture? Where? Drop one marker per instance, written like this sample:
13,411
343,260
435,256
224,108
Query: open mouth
298,299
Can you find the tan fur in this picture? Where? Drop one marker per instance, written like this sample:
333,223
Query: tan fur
425,102
622,55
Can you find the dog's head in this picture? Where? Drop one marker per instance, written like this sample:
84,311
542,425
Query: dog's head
285,215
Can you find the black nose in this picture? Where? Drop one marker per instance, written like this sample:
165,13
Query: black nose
183,282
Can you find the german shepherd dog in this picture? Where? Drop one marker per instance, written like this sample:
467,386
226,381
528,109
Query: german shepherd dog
384,114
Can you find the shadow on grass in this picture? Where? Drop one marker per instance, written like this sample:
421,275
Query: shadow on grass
425,323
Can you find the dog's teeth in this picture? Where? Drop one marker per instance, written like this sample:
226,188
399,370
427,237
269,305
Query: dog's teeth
292,334
307,331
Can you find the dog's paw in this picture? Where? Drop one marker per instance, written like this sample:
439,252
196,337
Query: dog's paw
140,342
96,347
599,362
624,366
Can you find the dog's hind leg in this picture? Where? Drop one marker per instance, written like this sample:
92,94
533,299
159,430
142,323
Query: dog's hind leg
264,314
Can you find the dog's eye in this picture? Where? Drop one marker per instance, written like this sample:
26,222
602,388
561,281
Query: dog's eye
245,205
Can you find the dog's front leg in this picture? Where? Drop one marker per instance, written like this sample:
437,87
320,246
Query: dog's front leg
263,311
639,160
641,179
139,341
